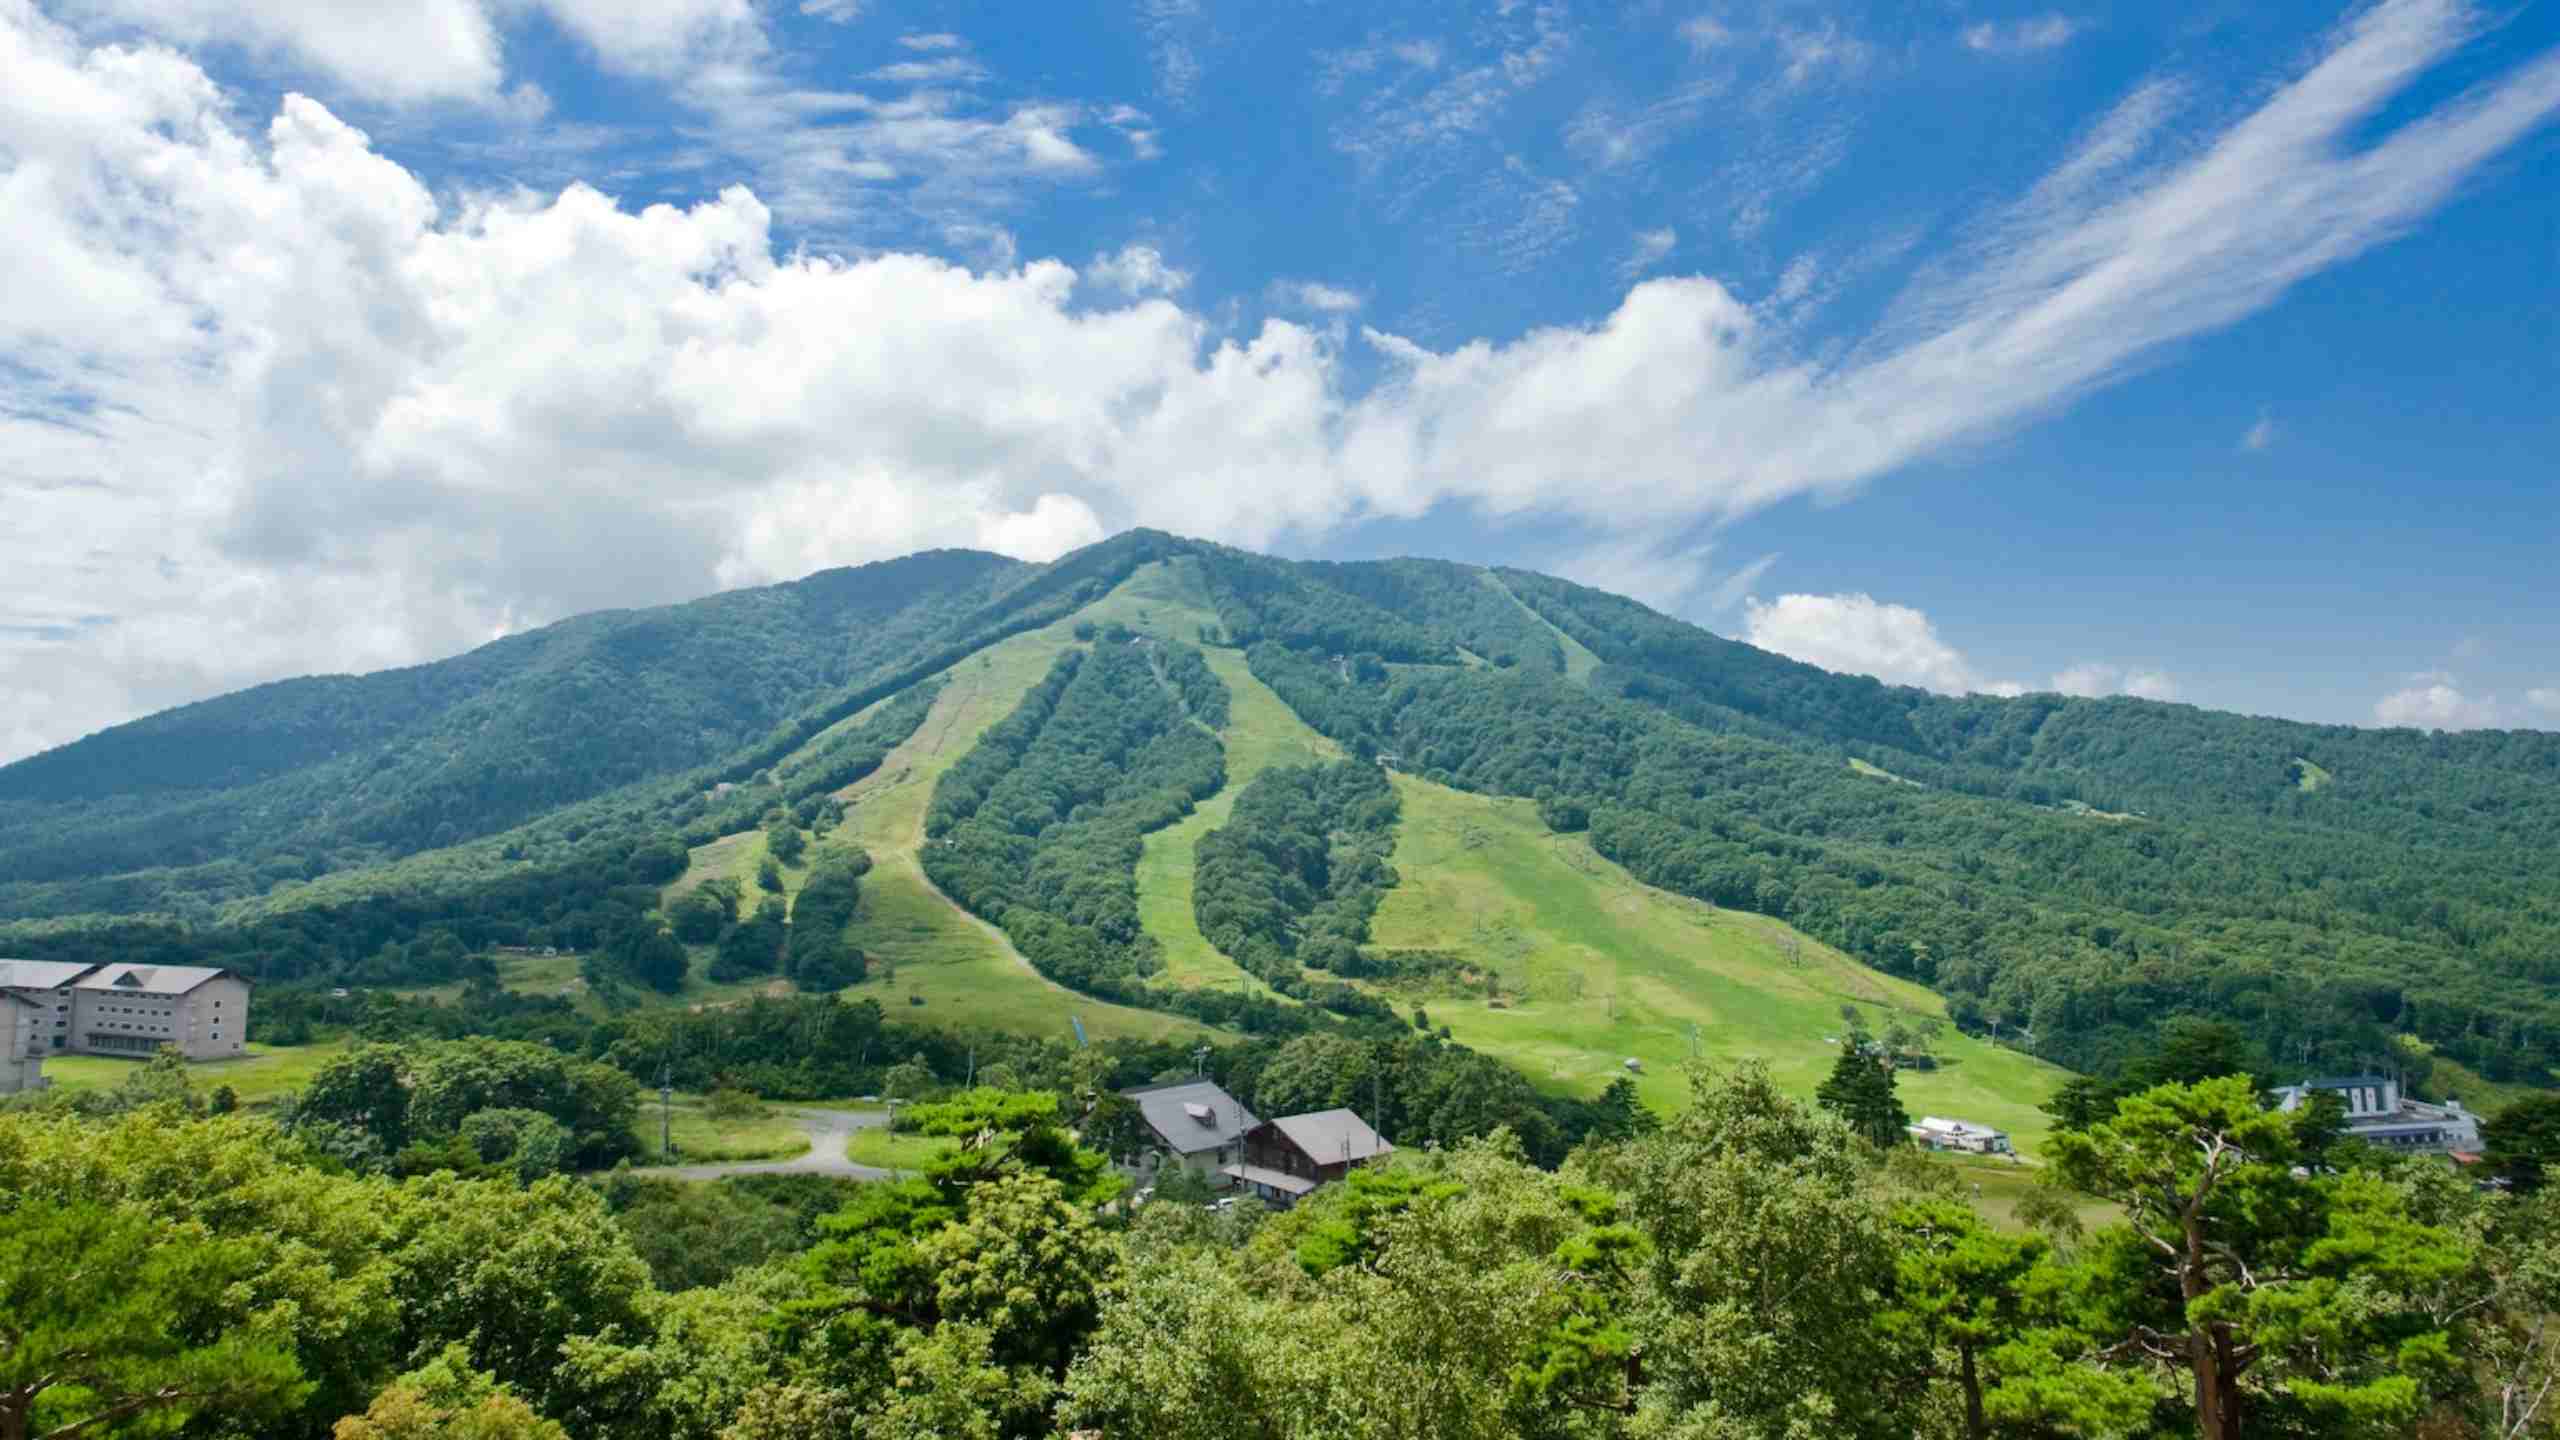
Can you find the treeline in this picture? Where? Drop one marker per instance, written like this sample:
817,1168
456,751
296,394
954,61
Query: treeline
1038,827
2089,930
1745,1269
1289,883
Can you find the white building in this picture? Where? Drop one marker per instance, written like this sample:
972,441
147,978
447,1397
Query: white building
45,984
1937,1132
132,1009
2379,1114
22,1045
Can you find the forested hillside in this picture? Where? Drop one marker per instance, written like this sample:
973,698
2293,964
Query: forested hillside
2079,870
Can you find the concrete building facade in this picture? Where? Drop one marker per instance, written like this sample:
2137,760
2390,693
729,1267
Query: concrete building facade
132,1010
2378,1113
21,1044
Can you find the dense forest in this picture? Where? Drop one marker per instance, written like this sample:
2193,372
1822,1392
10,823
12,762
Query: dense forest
399,1252
1288,884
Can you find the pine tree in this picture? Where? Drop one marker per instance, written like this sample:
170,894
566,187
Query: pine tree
1860,1091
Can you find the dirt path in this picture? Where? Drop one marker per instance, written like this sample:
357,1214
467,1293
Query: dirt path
829,1132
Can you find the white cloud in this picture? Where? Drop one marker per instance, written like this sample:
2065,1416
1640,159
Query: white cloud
2259,436
425,50
2545,699
2094,678
431,50
937,40
834,12
394,425
1317,295
948,70
2020,37
1136,270
1650,248
1858,634
2435,701
1733,589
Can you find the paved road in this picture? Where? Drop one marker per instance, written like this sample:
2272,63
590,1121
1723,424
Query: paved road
829,1131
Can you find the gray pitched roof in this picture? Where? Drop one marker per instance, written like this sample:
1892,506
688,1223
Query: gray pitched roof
150,979
40,974
1193,1115
1329,1137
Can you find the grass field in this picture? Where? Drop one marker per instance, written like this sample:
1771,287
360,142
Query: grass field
267,1073
897,1152
702,1138
1261,732
1579,662
1599,968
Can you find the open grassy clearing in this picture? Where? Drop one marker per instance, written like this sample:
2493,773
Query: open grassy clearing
1579,662
1870,768
1261,732
897,1152
267,1073
922,945
1994,1187
1599,968
701,1138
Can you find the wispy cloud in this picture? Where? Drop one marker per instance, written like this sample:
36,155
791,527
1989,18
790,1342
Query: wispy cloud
1650,248
2020,37
1318,295
1413,115
544,403
934,40
834,12
2259,435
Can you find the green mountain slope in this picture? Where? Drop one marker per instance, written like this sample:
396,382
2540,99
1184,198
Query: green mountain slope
2084,868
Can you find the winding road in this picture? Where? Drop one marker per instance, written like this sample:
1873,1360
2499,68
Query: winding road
829,1132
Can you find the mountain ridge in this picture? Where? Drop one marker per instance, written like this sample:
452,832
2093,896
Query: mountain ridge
2077,867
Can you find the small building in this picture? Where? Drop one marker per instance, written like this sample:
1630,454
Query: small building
135,1009
1197,1124
22,1043
1937,1132
2379,1114
1286,1159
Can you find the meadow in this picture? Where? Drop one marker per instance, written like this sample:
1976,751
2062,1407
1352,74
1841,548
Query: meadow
1595,969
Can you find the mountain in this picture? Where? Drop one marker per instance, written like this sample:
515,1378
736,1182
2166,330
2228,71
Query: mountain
1185,779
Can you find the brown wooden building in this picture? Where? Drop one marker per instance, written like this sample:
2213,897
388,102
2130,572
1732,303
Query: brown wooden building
1287,1158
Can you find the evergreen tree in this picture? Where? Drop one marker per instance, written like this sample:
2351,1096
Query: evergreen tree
1860,1091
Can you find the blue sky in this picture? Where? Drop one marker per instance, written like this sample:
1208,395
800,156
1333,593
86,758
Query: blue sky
2203,351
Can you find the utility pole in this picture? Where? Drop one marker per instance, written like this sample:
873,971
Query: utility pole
1200,1060
666,1110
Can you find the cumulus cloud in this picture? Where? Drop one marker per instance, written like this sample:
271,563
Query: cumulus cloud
400,422
1861,635
2436,701
1136,270
2094,678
